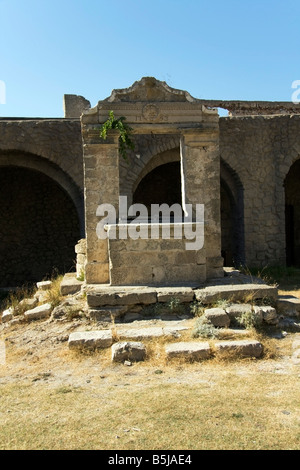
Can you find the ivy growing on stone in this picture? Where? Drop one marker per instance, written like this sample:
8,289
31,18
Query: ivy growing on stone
119,124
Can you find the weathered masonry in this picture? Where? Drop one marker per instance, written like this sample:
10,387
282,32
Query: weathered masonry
244,168
177,128
41,198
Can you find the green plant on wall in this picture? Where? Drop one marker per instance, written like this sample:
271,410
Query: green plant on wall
125,142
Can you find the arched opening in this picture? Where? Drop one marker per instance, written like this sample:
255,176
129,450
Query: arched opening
292,215
232,217
160,185
227,225
39,227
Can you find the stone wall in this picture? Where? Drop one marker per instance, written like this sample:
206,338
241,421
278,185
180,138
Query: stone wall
261,150
56,140
258,145
41,197
156,261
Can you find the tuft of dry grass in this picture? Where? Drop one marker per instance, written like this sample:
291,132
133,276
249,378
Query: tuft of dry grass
53,295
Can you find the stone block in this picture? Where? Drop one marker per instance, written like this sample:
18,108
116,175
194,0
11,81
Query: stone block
7,315
235,292
28,303
288,305
110,296
140,334
41,296
74,105
268,314
128,351
106,313
190,350
90,339
216,262
37,313
131,316
80,248
80,259
134,276
201,256
236,310
183,294
185,274
241,348
97,273
44,285
70,285
174,330
218,317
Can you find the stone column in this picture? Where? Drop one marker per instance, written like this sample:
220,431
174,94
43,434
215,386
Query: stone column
101,180
200,163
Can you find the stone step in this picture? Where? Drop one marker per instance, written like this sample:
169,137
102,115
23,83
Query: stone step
90,340
37,313
288,305
99,339
106,295
194,350
150,332
125,350
235,293
70,284
241,348
102,296
7,315
128,351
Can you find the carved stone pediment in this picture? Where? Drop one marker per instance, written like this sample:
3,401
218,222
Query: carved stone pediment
151,105
149,89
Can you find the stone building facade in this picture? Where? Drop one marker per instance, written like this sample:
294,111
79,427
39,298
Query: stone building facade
244,168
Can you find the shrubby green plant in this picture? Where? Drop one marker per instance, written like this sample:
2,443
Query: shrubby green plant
204,328
175,306
119,124
81,275
249,320
196,308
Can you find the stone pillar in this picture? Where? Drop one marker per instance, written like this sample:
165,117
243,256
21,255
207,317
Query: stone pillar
200,163
101,180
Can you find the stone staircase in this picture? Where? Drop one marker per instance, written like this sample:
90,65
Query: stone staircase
130,308
128,319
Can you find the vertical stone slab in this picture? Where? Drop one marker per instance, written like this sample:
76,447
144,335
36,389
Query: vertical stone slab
200,161
101,180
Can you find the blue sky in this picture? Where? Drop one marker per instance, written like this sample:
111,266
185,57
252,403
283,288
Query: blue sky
233,49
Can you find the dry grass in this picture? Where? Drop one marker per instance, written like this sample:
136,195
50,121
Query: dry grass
170,407
196,408
287,279
53,295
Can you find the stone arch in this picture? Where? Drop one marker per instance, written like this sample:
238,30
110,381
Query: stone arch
292,214
34,162
55,140
40,219
169,156
232,216
150,151
160,185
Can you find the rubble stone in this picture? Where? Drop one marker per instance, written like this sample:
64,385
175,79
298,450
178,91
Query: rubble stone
128,351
